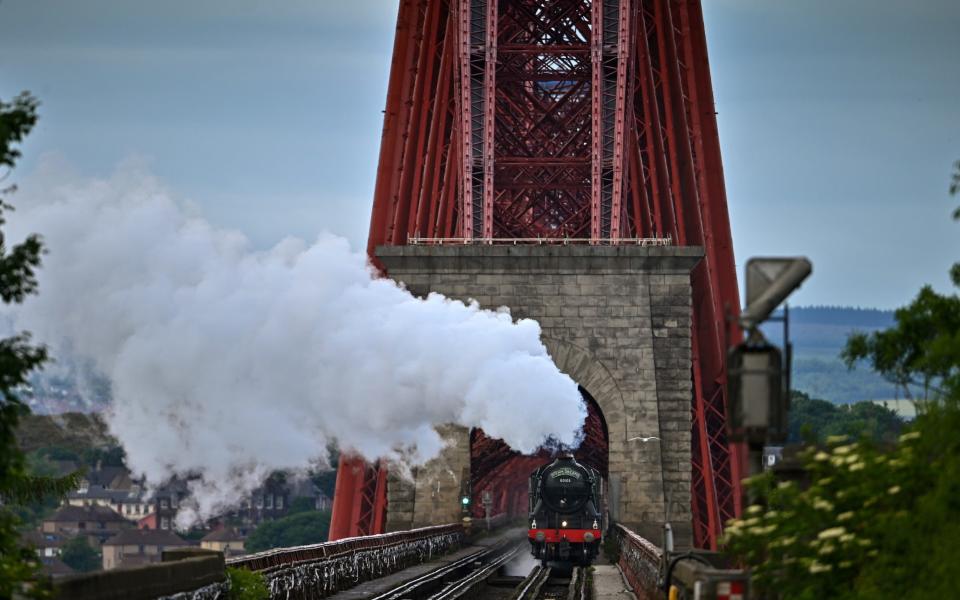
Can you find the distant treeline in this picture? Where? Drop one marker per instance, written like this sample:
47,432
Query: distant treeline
847,316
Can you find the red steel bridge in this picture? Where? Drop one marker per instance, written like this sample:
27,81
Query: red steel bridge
589,120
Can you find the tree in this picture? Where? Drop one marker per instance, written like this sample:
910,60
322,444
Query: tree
77,554
922,350
954,190
872,522
17,359
300,529
813,420
301,504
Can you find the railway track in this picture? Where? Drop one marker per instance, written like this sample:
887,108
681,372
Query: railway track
454,579
480,576
544,584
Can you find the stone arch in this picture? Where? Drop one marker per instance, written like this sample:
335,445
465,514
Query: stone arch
592,375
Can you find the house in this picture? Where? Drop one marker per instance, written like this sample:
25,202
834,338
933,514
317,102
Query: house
100,522
266,503
47,544
166,502
304,488
130,502
133,547
148,522
109,478
225,539
54,567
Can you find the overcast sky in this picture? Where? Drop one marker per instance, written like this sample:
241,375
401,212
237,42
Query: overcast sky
839,120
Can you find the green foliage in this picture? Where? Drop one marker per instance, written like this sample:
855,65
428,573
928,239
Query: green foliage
77,554
301,504
921,351
246,585
18,358
955,186
923,347
954,190
31,514
68,436
295,530
871,524
17,118
858,420
326,481
611,548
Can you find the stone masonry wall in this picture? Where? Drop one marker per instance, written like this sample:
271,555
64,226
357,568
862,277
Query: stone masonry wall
618,320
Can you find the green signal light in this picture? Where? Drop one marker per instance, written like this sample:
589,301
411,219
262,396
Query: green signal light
465,500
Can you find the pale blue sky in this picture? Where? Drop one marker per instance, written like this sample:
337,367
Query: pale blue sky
839,120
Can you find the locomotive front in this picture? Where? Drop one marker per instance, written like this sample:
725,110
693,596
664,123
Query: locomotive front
565,514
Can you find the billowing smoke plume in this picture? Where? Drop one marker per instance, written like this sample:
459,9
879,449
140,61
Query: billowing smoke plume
231,363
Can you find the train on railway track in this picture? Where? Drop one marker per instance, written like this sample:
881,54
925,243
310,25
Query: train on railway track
565,518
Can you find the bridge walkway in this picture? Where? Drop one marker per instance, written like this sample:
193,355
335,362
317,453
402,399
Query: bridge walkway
608,583
378,587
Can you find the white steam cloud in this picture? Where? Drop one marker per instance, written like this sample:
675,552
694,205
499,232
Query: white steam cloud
230,363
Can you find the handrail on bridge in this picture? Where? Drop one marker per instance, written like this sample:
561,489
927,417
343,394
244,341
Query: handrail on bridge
284,557
694,573
540,241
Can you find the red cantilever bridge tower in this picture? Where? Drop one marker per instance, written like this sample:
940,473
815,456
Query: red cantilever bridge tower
537,121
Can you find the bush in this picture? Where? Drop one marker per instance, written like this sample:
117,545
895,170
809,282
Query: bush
611,547
873,523
246,585
78,555
301,504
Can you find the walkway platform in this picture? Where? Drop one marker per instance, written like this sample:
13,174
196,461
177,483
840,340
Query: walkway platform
608,583
376,587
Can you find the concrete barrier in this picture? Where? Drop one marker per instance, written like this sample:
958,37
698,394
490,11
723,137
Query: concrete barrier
147,582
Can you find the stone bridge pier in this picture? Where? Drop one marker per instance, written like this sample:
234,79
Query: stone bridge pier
617,319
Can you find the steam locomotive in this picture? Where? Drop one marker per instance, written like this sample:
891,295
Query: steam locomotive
565,518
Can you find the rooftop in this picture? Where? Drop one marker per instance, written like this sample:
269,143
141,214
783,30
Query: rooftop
225,534
146,537
69,513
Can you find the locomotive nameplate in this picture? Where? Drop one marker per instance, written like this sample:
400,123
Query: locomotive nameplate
566,472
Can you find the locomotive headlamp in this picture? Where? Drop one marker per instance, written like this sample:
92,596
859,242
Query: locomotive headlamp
533,524
563,523
596,525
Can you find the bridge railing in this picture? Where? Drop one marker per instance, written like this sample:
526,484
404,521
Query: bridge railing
640,561
320,570
701,574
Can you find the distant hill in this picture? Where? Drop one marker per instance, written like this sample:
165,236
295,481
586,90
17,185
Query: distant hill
818,334
76,432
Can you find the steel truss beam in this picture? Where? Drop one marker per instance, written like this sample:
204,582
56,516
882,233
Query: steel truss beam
589,119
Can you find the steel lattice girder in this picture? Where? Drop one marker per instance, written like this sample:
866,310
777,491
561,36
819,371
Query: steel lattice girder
578,118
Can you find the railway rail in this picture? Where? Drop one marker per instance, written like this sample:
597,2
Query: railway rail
543,583
480,575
